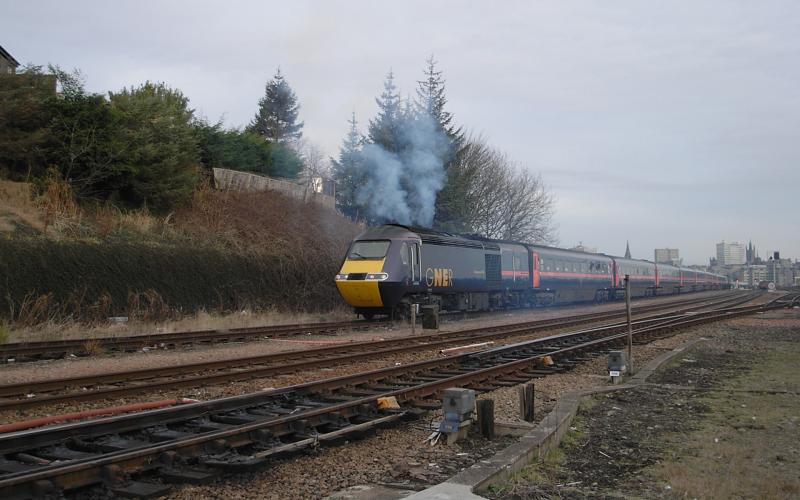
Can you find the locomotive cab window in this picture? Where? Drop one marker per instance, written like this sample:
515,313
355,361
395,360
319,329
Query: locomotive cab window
368,250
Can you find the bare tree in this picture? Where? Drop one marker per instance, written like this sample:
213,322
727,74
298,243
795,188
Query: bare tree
316,168
501,199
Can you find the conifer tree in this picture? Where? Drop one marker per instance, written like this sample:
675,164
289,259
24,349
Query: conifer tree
451,213
276,119
348,170
384,129
431,99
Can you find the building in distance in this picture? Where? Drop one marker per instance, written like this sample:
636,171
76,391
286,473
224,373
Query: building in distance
730,254
753,274
580,247
669,256
751,254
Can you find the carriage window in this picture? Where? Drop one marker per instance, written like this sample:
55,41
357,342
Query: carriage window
404,251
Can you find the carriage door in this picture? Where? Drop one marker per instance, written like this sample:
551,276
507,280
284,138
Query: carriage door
416,264
535,269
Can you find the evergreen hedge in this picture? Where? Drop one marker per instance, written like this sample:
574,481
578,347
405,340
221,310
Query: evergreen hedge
82,279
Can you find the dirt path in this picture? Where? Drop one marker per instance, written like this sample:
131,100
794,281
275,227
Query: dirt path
720,421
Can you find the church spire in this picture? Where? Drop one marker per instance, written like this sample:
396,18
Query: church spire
627,250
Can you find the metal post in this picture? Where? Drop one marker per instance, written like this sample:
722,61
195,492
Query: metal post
630,327
413,319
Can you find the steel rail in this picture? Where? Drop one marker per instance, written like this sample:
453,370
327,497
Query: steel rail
163,340
29,351
38,393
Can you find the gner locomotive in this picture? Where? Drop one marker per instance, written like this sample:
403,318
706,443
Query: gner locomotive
390,267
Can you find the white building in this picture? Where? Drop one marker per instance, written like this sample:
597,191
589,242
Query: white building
669,256
730,254
754,274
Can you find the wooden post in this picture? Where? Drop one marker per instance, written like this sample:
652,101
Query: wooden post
485,412
526,402
413,318
630,327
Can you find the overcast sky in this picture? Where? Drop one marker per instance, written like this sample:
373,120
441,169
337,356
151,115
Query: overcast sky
663,123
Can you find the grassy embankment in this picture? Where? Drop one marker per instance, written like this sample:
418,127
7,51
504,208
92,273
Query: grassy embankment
65,268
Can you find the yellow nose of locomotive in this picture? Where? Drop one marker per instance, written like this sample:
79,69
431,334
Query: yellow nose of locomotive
358,282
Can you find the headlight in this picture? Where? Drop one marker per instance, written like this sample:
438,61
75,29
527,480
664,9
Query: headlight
377,276
341,276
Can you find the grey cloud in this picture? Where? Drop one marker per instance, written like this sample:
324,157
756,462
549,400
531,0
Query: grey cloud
677,119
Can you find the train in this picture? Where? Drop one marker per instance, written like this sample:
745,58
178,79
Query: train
391,267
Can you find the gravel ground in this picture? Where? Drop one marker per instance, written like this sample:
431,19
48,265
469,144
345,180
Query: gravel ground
24,372
729,431
101,363
400,457
71,367
590,374
392,456
242,387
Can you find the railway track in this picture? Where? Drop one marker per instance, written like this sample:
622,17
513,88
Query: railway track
31,351
20,396
135,454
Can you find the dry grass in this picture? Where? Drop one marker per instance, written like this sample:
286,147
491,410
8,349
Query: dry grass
747,445
305,241
93,347
17,207
5,333
201,320
61,211
55,214
263,222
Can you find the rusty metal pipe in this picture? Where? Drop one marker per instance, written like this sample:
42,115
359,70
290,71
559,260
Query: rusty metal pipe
111,410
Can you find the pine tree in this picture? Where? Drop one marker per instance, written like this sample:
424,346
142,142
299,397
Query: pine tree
384,130
347,171
276,119
451,213
431,99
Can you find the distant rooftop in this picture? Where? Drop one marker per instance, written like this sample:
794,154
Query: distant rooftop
5,54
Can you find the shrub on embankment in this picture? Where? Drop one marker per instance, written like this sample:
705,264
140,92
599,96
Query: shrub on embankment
45,280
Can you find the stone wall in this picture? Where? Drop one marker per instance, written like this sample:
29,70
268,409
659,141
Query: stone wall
244,181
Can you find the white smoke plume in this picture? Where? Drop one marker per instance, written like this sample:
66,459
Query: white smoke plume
402,186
